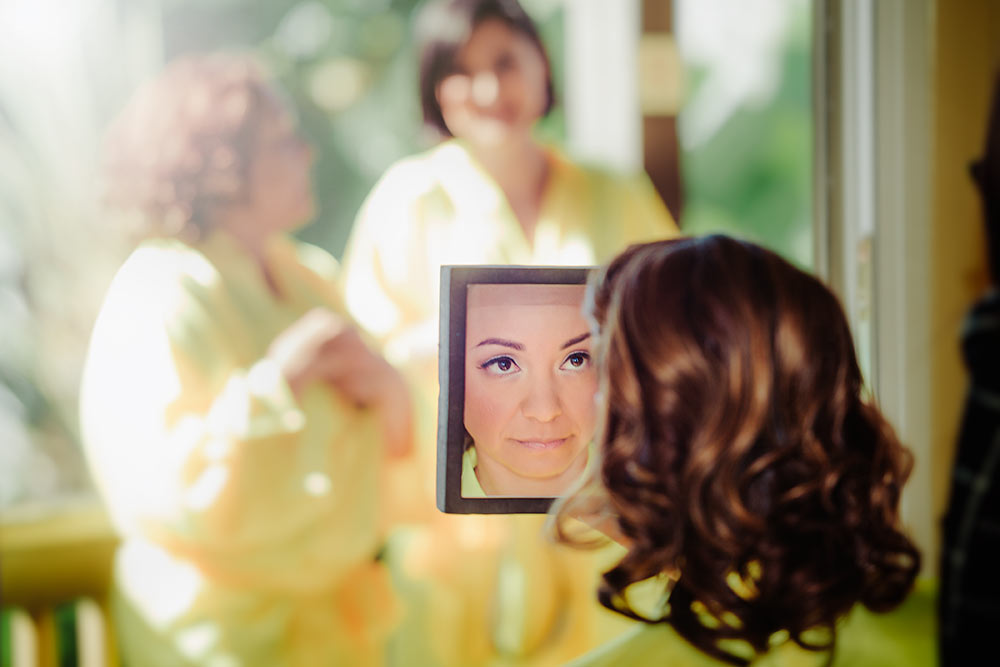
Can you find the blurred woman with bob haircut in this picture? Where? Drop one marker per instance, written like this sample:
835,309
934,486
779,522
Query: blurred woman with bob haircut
444,28
753,484
489,191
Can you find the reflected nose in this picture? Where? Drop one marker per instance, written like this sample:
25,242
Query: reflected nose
542,401
485,88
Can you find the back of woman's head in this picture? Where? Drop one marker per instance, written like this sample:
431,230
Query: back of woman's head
184,142
442,29
738,450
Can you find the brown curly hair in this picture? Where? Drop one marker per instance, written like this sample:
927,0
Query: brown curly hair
184,143
739,453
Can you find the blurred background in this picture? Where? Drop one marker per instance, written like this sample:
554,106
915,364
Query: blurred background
739,73
837,132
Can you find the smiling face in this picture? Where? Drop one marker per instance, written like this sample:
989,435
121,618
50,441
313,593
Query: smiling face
529,387
498,88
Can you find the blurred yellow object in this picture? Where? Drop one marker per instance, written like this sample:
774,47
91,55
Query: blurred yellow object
54,559
54,555
661,75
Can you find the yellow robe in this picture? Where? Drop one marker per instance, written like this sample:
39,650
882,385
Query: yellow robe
471,488
249,518
903,637
481,589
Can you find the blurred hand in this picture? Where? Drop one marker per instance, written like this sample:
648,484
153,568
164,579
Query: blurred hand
323,346
301,351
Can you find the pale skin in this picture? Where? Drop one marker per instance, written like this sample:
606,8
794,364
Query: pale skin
530,384
492,102
321,346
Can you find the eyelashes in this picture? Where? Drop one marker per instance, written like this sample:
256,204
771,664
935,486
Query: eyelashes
504,364
500,365
576,361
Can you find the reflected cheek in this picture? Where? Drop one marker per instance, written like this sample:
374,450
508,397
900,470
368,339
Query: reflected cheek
488,410
582,407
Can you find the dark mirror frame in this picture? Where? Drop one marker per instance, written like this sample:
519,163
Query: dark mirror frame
455,280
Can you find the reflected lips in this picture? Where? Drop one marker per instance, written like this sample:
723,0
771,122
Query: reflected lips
541,444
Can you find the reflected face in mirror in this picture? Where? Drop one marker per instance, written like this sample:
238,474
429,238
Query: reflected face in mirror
529,388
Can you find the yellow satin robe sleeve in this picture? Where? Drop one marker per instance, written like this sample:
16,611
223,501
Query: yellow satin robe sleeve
242,509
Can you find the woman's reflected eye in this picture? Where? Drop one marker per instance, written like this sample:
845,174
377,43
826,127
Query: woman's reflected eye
500,366
576,361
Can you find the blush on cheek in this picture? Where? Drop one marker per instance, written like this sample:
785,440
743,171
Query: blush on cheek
585,408
487,413
476,412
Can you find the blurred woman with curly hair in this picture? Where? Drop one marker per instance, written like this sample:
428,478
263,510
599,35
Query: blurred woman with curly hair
233,417
754,485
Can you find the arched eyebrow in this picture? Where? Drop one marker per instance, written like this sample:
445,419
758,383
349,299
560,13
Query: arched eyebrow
573,341
502,342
